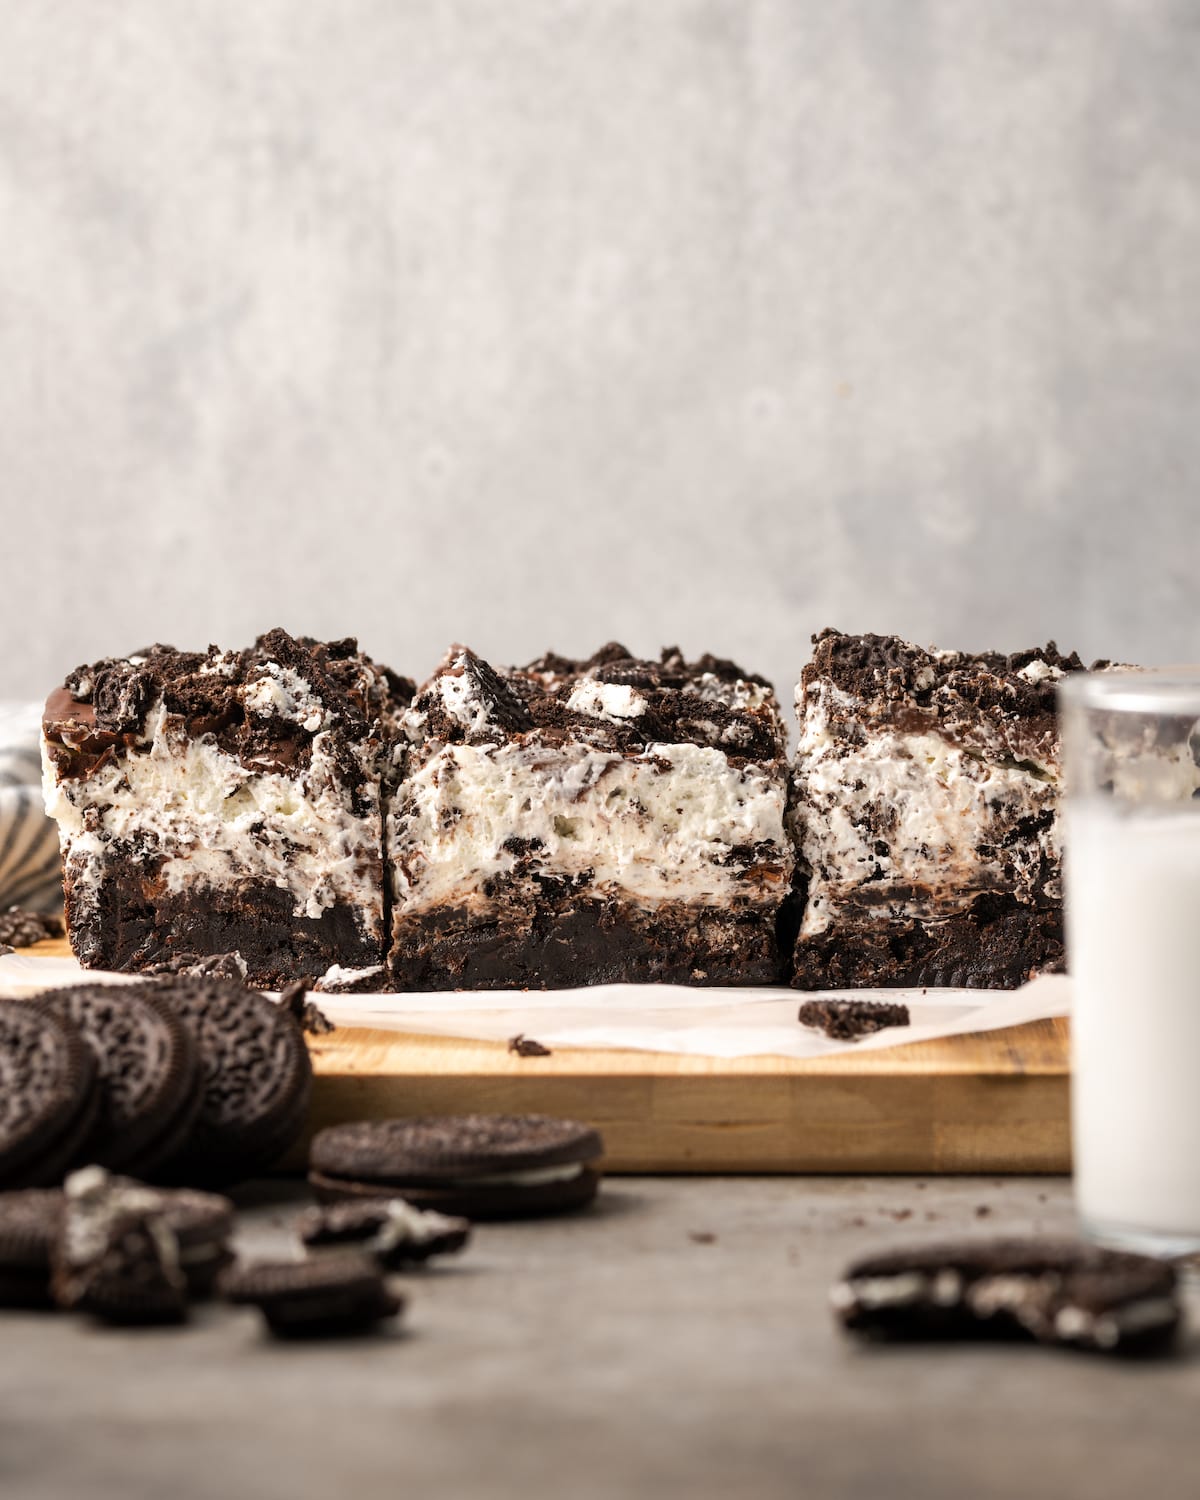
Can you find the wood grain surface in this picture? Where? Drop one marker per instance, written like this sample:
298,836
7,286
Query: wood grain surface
988,1102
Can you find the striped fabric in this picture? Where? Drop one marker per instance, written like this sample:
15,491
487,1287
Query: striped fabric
30,869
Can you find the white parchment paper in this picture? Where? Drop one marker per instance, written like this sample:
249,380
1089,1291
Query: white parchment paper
743,1022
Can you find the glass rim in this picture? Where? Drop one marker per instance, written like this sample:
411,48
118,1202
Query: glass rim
1139,690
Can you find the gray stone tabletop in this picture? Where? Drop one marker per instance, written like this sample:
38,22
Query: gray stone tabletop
676,1341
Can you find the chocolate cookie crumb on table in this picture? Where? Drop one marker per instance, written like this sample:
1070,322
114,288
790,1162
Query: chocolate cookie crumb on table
275,853
850,1020
926,795
587,822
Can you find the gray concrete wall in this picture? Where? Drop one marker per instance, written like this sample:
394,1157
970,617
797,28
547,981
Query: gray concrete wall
542,322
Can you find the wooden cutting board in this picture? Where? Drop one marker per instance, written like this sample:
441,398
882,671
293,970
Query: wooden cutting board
990,1102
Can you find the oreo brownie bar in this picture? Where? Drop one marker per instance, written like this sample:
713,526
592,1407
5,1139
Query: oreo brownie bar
583,822
926,814
225,801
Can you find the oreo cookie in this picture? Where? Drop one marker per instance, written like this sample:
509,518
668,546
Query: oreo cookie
333,1295
48,1094
257,1078
117,1257
1053,1291
392,1232
151,1086
479,1166
29,1225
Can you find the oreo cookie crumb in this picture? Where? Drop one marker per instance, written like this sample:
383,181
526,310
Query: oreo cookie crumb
20,928
310,1018
982,1211
848,1020
702,1237
525,1046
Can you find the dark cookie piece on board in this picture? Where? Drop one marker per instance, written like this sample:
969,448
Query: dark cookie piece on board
479,1166
848,1020
48,1095
257,1079
29,1225
1054,1291
329,1296
392,1232
525,1046
21,929
151,1085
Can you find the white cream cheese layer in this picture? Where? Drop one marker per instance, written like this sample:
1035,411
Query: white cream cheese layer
654,826
217,823
899,810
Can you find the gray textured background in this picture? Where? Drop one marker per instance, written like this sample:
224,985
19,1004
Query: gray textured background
537,323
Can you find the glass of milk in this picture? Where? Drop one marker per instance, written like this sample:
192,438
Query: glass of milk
1131,748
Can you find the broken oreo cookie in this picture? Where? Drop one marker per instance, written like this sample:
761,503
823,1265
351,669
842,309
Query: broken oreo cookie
331,1295
850,1020
392,1232
1054,1291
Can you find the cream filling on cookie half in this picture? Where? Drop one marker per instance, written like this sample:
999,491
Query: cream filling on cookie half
217,823
657,826
531,1177
913,814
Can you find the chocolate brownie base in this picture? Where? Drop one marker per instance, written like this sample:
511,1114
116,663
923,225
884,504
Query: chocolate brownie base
135,925
582,942
998,944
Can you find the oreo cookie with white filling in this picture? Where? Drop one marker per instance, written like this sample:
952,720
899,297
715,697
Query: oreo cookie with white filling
1052,1291
479,1166
117,1255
